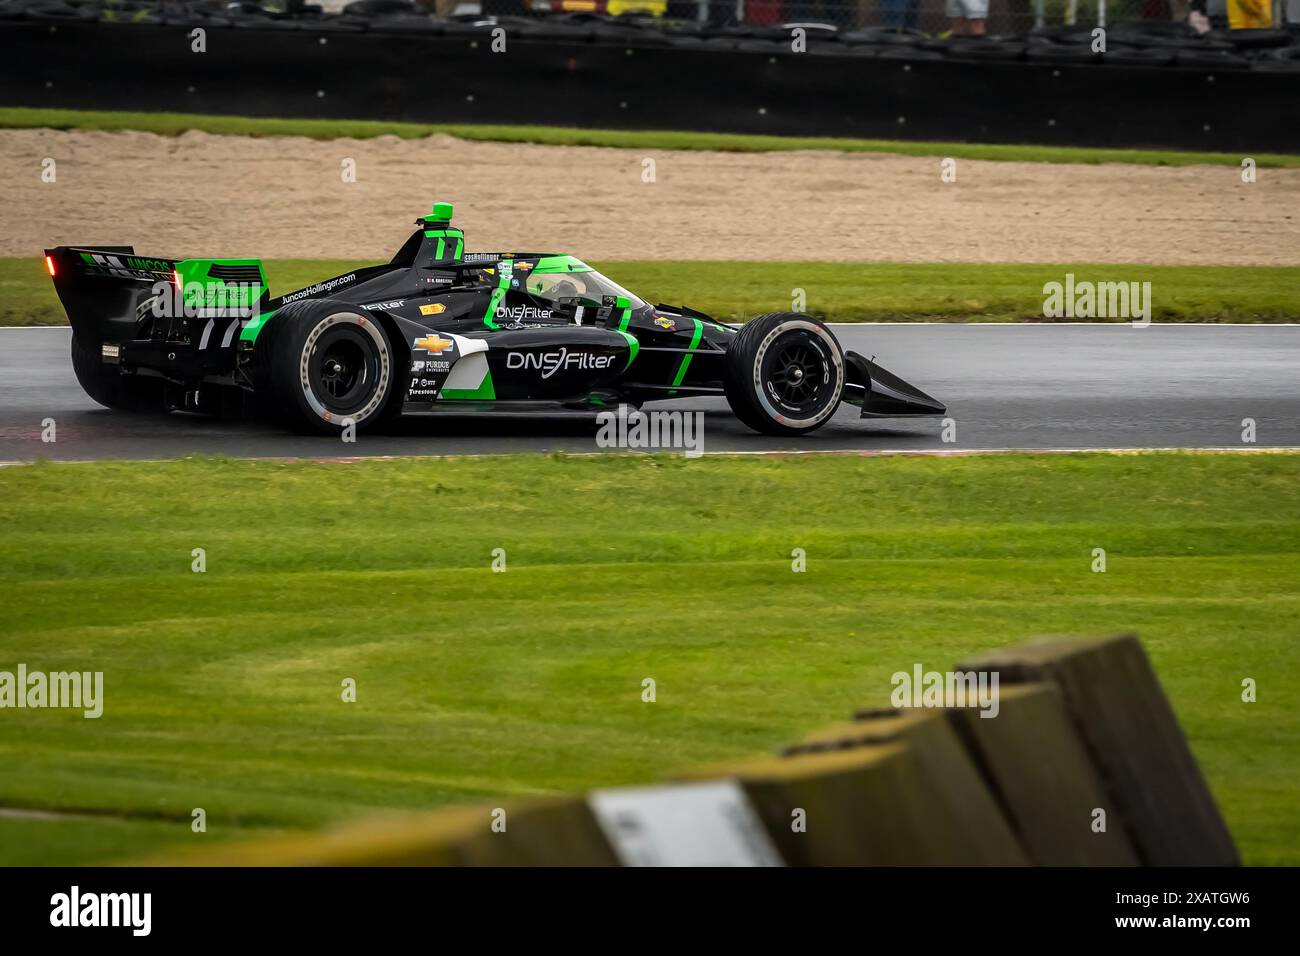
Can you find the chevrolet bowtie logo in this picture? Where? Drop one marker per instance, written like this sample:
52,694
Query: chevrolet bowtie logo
434,343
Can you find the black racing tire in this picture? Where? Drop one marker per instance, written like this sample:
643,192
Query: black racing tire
784,374
108,386
321,364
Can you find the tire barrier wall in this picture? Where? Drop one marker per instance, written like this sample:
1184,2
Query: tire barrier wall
1081,725
645,82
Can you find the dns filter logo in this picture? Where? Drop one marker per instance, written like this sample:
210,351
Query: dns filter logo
548,363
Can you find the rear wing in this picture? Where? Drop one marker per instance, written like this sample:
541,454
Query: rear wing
113,295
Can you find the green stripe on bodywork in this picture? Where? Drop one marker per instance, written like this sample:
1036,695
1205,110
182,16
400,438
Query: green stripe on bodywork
633,347
485,391
254,327
686,359
442,235
505,268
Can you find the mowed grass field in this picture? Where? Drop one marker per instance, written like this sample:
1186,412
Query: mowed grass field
834,291
223,689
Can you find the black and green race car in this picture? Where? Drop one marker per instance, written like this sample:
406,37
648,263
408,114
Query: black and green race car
438,329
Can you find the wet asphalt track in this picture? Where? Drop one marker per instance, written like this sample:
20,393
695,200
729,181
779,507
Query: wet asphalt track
1007,386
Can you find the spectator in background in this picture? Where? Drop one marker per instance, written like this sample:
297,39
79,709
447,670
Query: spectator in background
900,14
966,17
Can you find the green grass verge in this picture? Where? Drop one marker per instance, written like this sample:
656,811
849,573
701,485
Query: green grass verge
223,688
836,291
54,840
170,124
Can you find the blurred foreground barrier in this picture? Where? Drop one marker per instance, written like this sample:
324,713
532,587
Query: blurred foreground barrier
872,805
1023,776
1040,772
701,824
1133,738
959,807
546,833
1081,733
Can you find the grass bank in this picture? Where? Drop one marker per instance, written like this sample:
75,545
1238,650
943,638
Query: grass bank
173,124
835,291
222,689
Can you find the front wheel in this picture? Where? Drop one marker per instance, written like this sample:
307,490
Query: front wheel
325,365
785,374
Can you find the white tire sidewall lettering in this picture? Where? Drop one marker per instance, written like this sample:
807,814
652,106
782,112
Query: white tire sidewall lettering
371,328
837,363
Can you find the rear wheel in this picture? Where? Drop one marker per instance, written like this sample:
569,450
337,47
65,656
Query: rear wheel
108,386
785,374
324,365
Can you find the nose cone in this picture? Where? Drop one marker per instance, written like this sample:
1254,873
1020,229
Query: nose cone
890,397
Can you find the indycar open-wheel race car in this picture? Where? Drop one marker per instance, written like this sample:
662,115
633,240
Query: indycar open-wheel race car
438,328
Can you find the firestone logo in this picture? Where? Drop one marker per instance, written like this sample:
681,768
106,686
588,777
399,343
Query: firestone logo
548,363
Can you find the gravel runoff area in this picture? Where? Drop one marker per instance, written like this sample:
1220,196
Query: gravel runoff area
202,194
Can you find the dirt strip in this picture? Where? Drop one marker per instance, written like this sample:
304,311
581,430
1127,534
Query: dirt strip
200,194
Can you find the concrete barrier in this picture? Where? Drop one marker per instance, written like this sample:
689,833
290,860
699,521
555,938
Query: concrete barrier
387,76
1133,739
